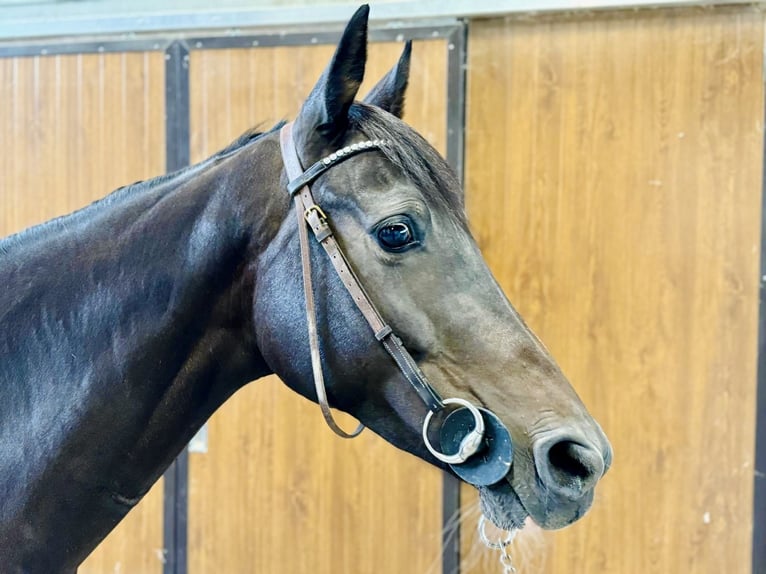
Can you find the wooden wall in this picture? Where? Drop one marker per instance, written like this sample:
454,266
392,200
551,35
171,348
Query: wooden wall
73,128
277,491
614,183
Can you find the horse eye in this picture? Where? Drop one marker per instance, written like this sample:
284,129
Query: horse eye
395,236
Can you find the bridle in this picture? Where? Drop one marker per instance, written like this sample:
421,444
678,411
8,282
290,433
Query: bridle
468,433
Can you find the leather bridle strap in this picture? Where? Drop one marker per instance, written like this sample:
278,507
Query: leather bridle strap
308,211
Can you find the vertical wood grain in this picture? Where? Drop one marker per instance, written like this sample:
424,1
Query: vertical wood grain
277,491
614,184
72,129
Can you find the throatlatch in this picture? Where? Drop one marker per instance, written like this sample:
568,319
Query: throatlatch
481,446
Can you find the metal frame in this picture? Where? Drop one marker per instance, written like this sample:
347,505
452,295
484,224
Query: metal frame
759,480
140,16
246,39
759,474
105,46
175,503
425,31
457,49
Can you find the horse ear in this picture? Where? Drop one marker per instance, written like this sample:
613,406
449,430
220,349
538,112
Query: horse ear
324,115
389,92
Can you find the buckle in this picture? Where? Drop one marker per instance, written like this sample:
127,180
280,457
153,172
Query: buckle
318,210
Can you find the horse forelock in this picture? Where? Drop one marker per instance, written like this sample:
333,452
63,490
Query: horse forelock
413,155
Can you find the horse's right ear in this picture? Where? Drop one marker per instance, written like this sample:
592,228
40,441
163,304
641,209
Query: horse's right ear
389,92
324,115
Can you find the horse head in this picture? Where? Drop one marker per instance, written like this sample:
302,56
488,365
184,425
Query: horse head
396,212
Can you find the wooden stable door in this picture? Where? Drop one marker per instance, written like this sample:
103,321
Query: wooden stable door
614,183
72,129
277,491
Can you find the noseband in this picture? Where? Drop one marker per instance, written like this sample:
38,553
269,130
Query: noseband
465,429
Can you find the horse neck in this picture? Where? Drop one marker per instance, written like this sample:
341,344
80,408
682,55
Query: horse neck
122,328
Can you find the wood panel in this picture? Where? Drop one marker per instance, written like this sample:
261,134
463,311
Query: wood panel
277,491
614,184
73,128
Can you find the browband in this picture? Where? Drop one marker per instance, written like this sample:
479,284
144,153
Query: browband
326,163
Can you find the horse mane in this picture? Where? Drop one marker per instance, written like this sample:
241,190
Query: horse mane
246,138
250,136
60,223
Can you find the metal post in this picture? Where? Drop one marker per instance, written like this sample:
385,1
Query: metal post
759,491
175,504
456,59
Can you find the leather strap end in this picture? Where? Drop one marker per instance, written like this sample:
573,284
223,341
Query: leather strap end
384,332
295,186
323,232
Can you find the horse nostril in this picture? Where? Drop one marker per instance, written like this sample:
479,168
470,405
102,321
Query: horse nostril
570,468
564,457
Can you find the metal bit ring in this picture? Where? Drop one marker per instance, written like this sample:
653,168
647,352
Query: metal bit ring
469,445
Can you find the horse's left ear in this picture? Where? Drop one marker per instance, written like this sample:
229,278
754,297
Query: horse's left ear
389,92
324,115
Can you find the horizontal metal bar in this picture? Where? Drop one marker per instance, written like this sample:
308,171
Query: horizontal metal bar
105,45
440,30
92,17
308,38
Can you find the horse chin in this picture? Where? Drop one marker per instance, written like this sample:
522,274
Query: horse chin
502,506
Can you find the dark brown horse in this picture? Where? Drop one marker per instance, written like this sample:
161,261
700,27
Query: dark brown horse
124,326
